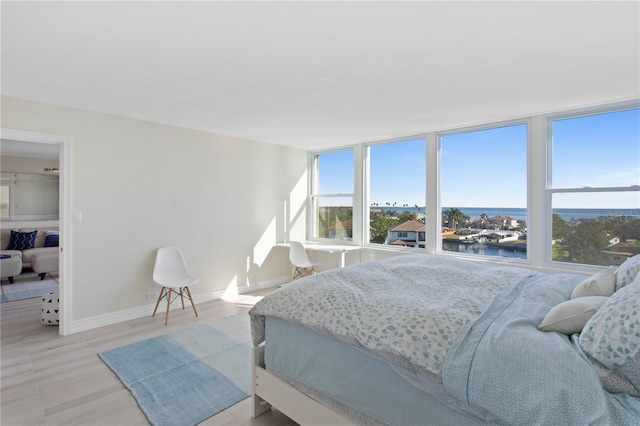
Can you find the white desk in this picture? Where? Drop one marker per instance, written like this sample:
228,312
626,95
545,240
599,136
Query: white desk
329,248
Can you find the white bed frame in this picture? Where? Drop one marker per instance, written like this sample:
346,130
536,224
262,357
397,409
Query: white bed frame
269,390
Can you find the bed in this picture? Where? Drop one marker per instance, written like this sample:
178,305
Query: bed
428,339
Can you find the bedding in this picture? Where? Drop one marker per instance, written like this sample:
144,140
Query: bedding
394,320
461,331
502,364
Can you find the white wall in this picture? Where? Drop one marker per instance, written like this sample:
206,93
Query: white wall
139,185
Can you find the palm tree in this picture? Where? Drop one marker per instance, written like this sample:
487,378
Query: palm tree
454,217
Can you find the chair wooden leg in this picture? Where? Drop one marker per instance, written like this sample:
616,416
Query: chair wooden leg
191,299
182,296
166,316
158,302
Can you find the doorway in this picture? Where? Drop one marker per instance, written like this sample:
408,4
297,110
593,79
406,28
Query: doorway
64,222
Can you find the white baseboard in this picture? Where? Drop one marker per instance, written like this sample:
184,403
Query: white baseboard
146,310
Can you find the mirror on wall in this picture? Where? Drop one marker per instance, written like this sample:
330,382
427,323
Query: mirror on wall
28,196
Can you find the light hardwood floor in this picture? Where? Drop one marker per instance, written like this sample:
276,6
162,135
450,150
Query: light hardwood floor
48,379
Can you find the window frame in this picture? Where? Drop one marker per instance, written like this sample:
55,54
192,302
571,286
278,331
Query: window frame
550,190
365,217
539,191
313,195
527,122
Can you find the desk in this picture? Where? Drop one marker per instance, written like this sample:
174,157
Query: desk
328,248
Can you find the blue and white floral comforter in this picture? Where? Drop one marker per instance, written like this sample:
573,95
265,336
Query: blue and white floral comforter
408,310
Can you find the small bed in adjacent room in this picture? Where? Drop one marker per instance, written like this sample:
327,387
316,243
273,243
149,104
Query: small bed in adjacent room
428,340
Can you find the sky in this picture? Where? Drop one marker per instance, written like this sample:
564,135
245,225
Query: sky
487,168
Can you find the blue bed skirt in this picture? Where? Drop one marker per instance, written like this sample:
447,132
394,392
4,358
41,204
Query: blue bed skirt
354,383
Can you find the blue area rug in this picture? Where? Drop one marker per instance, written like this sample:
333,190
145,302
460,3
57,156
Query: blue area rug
26,286
185,377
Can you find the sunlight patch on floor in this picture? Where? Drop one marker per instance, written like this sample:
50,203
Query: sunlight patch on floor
242,299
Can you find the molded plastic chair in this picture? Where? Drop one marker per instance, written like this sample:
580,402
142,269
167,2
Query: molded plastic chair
301,266
171,273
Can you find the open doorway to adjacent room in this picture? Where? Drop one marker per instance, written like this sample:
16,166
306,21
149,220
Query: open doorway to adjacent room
30,152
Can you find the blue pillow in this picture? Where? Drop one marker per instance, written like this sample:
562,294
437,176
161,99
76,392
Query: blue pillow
22,240
52,239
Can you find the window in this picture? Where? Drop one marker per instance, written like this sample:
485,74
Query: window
332,195
582,186
483,190
4,202
594,187
397,174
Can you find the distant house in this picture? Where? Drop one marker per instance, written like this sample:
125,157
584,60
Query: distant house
341,230
408,234
616,258
626,247
468,233
504,222
505,236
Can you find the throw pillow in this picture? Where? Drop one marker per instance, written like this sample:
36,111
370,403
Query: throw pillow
627,272
570,317
612,337
601,284
22,240
52,239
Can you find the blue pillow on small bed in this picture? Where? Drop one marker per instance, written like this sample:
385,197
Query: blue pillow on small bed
52,239
611,338
22,240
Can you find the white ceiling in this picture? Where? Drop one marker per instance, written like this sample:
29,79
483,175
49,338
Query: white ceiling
321,74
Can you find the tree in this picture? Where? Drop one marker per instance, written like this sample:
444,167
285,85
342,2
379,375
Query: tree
379,228
623,227
454,218
585,242
406,217
560,228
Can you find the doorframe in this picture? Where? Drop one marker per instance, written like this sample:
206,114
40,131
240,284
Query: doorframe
64,219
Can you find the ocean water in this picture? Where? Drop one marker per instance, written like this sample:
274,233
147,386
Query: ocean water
521,213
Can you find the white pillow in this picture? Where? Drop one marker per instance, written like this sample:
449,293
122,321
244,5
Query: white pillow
570,317
601,284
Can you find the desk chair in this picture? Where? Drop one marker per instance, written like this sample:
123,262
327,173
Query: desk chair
301,266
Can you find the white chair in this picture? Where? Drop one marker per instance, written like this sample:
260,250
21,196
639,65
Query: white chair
301,266
171,273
